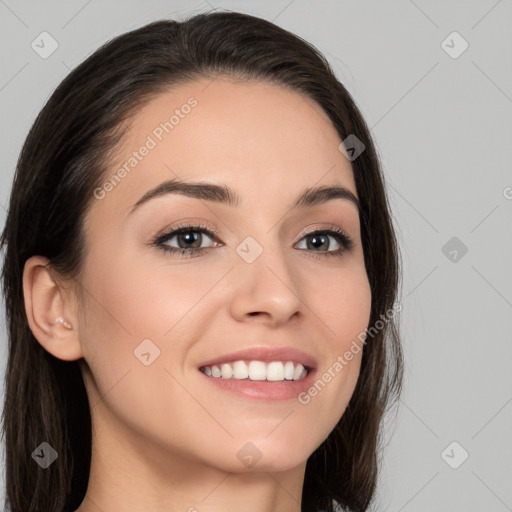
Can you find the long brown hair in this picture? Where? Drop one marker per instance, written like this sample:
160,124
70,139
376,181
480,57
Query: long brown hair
65,158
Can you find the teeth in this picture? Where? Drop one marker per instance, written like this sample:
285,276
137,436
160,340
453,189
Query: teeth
227,371
298,372
275,371
257,370
240,370
288,370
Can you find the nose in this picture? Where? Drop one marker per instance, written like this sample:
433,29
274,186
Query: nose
266,290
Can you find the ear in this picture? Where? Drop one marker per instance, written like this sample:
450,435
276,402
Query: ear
45,301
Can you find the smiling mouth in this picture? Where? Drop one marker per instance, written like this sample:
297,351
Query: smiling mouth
273,371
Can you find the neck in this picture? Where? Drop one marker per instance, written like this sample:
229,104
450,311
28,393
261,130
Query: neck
130,472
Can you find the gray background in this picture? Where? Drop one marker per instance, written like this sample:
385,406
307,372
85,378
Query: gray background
443,129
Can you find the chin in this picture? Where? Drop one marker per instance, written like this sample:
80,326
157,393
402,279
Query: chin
267,456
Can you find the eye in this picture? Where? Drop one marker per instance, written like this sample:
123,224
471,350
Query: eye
320,239
189,239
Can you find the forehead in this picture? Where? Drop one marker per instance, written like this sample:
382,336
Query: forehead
259,138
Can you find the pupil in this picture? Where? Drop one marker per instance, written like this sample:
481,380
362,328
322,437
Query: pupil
318,238
190,238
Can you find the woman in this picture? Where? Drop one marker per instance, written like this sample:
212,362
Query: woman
200,278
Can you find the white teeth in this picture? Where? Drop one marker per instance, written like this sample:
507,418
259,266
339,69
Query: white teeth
288,370
240,370
227,371
257,370
298,372
275,371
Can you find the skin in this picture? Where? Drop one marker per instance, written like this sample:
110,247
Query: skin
163,439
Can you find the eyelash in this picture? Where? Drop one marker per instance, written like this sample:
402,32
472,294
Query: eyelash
342,238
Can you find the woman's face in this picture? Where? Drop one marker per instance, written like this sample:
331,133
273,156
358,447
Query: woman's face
153,315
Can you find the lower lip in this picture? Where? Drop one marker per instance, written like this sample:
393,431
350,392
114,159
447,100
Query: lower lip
264,389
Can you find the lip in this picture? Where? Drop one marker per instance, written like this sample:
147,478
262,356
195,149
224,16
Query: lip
266,355
265,390
269,391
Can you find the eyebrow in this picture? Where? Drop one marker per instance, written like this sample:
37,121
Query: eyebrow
224,195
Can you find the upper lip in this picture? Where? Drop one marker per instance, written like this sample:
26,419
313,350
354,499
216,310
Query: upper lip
265,354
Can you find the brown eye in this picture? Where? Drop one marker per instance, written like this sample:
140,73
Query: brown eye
189,240
319,241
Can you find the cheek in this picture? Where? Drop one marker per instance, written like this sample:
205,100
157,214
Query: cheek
351,308
138,299
129,305
344,308
343,303
135,307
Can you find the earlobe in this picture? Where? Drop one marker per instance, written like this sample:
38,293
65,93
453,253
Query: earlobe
49,311
61,320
